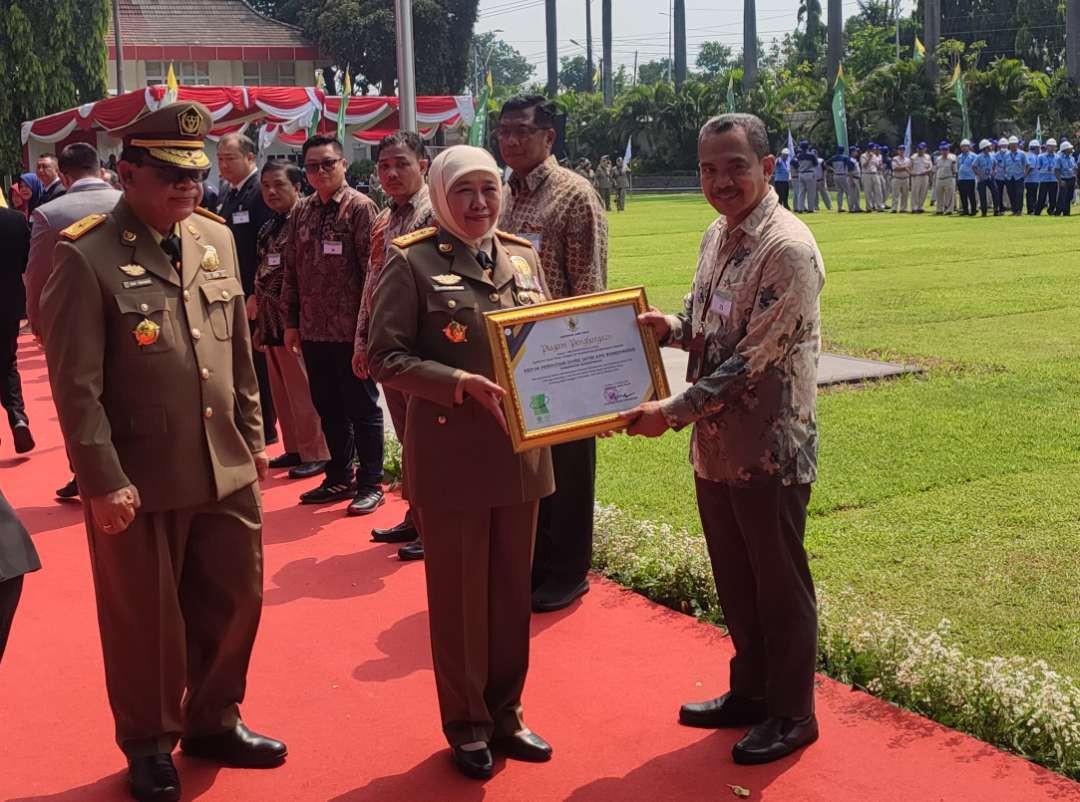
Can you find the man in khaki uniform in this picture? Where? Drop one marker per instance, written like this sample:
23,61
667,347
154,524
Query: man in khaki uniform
150,362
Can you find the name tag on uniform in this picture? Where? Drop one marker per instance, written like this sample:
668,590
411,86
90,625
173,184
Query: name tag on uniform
241,217
139,282
215,274
721,304
332,247
536,239
273,259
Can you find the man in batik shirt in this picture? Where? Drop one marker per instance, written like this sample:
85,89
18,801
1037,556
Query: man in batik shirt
751,325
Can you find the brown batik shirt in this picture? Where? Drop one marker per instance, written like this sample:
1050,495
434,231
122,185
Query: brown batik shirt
751,323
559,212
269,277
325,261
392,222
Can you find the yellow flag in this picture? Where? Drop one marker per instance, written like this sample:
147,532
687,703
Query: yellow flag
173,87
840,71
920,49
489,82
956,73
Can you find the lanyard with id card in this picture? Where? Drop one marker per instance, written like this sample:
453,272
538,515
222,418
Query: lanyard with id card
241,217
332,247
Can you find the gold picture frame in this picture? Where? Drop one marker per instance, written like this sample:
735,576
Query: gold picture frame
509,329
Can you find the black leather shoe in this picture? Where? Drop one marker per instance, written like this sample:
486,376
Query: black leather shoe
24,441
70,490
524,746
305,470
413,551
725,711
239,747
773,739
403,532
153,778
290,459
368,499
474,763
552,596
328,493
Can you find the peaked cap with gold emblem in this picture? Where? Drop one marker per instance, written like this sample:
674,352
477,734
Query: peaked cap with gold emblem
172,136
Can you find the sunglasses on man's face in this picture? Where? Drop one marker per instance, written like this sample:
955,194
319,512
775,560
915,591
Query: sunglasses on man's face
178,175
326,166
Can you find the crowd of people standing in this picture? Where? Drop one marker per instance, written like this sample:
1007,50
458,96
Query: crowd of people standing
606,178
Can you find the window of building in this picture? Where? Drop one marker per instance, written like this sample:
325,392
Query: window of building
273,73
252,76
188,73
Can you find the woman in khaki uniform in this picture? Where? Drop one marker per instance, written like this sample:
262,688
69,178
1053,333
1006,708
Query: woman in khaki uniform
475,499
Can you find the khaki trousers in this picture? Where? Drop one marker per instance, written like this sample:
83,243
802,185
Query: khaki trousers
301,429
478,564
946,195
920,184
872,191
397,403
179,595
901,189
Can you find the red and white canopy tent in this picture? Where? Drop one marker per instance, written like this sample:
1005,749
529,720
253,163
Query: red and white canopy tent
284,115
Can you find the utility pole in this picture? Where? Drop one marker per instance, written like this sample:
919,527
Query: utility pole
589,87
119,47
680,42
749,44
932,35
406,66
1072,39
670,19
635,68
552,49
836,40
605,33
896,7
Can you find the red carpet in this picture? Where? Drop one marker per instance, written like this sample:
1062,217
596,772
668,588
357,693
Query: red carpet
342,672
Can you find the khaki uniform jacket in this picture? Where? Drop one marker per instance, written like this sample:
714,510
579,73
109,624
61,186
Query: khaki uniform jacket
179,418
456,456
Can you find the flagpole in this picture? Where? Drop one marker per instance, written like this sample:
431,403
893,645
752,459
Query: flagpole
406,65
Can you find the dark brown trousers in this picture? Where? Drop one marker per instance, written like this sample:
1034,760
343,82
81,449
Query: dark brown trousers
479,603
398,405
179,595
755,539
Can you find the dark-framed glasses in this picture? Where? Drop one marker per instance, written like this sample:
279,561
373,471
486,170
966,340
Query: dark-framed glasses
325,166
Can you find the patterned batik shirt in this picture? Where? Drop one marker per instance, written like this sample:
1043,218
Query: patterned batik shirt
392,222
269,276
325,260
752,326
559,212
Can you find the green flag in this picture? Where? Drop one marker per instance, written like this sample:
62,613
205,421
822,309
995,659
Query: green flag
478,129
346,93
839,110
731,94
961,98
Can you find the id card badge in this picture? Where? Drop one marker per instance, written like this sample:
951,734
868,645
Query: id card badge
332,247
722,302
273,259
536,239
239,218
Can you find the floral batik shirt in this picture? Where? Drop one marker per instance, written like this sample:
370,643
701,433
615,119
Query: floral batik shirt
751,324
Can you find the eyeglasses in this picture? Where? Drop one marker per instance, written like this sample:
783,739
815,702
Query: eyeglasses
178,175
516,131
326,166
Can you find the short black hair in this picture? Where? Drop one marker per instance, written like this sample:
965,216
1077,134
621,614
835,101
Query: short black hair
409,139
293,173
320,140
79,160
751,125
48,156
246,143
544,109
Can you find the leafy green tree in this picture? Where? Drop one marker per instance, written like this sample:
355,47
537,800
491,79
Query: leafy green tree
509,69
573,73
714,58
653,72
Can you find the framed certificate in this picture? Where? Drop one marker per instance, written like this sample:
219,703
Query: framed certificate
571,366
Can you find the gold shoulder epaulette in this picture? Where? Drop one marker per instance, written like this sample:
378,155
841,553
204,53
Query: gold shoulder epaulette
207,213
421,234
513,238
80,227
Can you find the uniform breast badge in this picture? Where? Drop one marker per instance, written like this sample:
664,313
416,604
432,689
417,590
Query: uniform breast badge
455,332
133,270
446,279
210,259
524,273
146,333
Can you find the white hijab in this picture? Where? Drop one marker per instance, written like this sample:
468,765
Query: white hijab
448,167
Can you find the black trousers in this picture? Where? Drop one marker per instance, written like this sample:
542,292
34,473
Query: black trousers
10,591
995,200
11,395
352,421
782,190
1065,196
1048,192
755,540
1015,188
564,530
1032,192
266,398
966,188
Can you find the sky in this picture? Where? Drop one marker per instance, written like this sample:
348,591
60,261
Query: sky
638,25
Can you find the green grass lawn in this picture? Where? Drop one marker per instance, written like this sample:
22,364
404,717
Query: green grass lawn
953,495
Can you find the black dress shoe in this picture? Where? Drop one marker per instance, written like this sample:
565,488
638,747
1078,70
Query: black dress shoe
290,459
70,490
306,470
725,711
367,500
403,532
239,747
24,441
552,596
413,551
474,763
328,493
524,746
773,739
153,778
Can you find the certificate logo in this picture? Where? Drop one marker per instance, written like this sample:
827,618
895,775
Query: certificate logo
572,323
614,395
539,406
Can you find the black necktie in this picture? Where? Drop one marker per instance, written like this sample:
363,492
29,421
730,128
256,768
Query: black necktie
171,246
485,262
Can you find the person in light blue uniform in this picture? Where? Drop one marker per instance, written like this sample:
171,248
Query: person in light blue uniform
1015,165
983,167
1065,170
819,179
782,177
806,188
998,149
1048,185
1031,177
837,164
966,178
